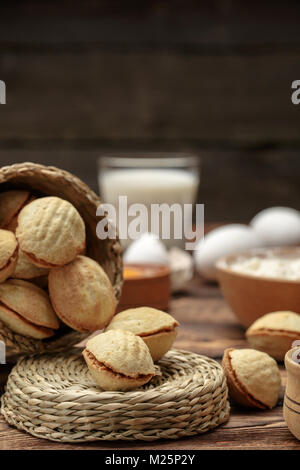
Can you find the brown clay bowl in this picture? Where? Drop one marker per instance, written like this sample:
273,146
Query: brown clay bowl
150,287
250,296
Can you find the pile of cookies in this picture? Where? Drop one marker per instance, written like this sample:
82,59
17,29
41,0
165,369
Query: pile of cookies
47,282
45,279
122,358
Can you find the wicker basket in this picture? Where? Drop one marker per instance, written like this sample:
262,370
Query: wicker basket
54,397
55,182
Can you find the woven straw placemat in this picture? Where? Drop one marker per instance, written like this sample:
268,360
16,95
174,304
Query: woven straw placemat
54,397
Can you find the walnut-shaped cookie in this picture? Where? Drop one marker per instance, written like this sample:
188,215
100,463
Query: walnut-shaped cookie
8,254
158,329
82,294
119,360
11,202
26,309
50,232
253,378
274,333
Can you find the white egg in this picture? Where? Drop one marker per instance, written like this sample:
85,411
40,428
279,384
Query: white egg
278,226
147,249
226,240
181,267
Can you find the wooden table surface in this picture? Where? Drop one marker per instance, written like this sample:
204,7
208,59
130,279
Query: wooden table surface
207,327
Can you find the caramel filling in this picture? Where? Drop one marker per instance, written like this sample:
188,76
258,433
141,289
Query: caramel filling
39,261
27,322
164,330
270,331
10,260
105,368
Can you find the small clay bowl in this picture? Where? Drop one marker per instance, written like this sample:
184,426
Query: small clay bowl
291,404
145,285
250,296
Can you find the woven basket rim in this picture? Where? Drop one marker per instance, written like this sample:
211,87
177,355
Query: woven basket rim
30,166
16,343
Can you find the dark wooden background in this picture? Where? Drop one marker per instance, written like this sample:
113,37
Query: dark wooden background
214,77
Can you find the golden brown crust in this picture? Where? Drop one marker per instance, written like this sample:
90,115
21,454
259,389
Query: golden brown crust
8,247
143,321
274,333
27,270
282,320
122,352
10,267
157,328
160,343
108,380
13,224
20,325
102,367
11,202
50,232
82,294
118,360
8,254
236,390
29,301
253,377
269,331
275,343
38,261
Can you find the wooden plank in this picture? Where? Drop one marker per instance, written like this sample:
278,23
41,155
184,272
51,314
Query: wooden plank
82,163
217,24
255,431
104,96
200,311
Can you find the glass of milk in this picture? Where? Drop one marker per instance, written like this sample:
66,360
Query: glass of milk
150,178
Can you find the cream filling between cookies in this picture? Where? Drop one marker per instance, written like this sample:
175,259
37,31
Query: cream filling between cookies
105,368
272,332
10,260
21,317
28,322
165,330
39,261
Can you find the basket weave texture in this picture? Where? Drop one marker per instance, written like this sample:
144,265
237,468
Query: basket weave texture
51,181
54,397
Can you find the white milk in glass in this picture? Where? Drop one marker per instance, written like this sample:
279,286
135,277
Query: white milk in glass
150,186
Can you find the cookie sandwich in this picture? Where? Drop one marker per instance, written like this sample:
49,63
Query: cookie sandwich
157,329
119,360
253,378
